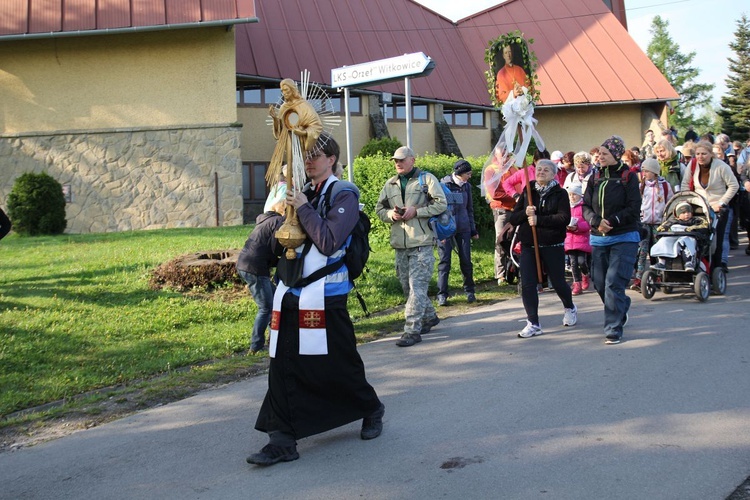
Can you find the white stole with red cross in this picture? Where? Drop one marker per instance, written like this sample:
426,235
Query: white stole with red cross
312,317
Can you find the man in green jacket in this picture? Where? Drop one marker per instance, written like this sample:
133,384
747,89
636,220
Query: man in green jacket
407,204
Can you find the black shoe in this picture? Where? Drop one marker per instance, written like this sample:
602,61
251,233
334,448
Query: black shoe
613,339
471,298
747,251
271,454
372,426
427,325
409,339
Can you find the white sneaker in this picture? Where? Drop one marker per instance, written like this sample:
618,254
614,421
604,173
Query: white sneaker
571,316
530,331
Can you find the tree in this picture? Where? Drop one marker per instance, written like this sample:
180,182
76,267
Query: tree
735,105
678,70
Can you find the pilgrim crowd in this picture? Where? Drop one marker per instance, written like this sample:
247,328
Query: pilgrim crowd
580,222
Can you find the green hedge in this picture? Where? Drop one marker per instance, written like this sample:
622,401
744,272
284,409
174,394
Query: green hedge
371,173
385,146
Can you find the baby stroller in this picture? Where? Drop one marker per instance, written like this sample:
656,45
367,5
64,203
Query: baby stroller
508,261
674,275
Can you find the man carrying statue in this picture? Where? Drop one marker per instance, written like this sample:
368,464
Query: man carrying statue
316,378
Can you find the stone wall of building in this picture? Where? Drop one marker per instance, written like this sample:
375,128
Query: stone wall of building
126,180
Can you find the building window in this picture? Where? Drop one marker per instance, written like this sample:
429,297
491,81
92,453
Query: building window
355,104
254,187
397,112
260,95
257,95
458,117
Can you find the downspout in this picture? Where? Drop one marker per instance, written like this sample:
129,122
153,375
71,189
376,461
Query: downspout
216,196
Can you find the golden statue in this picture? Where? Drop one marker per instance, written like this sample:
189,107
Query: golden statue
296,128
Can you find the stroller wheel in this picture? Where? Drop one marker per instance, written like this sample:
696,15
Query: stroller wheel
648,284
511,275
701,286
719,281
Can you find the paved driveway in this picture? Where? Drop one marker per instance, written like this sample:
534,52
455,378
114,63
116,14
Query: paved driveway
471,412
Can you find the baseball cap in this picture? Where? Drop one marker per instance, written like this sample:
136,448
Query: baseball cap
402,153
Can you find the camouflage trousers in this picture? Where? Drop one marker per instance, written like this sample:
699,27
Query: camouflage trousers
414,268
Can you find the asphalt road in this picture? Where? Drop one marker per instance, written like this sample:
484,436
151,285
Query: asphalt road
471,412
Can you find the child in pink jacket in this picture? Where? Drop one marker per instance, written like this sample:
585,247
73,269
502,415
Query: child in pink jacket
577,245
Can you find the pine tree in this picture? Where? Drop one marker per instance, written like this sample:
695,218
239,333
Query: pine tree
735,112
678,70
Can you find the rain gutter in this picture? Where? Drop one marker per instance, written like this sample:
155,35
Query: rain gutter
129,29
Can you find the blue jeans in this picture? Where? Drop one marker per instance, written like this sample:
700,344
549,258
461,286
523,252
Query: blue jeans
725,241
463,246
611,268
262,290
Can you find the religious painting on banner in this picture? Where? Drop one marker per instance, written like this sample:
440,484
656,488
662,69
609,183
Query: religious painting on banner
511,67
513,85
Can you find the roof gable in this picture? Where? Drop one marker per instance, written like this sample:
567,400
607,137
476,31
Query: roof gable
585,54
38,18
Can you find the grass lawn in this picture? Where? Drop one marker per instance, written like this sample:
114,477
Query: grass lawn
77,314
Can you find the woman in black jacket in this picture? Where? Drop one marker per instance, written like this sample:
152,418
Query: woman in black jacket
549,212
612,206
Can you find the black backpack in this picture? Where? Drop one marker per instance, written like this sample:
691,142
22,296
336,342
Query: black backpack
358,251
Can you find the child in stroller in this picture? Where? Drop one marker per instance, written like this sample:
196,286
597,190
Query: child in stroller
686,246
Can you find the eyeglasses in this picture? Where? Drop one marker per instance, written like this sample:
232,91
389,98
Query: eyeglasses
314,156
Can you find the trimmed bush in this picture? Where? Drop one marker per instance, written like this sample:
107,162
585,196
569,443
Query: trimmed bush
385,146
36,205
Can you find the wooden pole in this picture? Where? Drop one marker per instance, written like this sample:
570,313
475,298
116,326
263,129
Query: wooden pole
529,202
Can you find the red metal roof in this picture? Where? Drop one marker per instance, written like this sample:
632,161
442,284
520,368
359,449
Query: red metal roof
585,54
35,18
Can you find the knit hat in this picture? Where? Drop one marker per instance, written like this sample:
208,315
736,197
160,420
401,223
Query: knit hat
461,167
683,207
615,145
575,188
651,165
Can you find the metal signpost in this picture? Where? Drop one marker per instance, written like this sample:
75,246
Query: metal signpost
381,71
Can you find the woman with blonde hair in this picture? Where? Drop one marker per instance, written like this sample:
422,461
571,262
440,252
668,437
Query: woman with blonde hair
714,180
671,167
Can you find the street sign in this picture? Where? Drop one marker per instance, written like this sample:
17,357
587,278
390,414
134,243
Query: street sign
383,70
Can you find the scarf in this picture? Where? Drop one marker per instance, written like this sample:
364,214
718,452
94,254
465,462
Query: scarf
542,190
667,166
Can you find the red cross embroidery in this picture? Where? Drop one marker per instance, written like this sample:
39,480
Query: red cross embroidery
275,320
312,319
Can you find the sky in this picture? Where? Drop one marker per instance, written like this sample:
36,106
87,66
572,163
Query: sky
695,25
